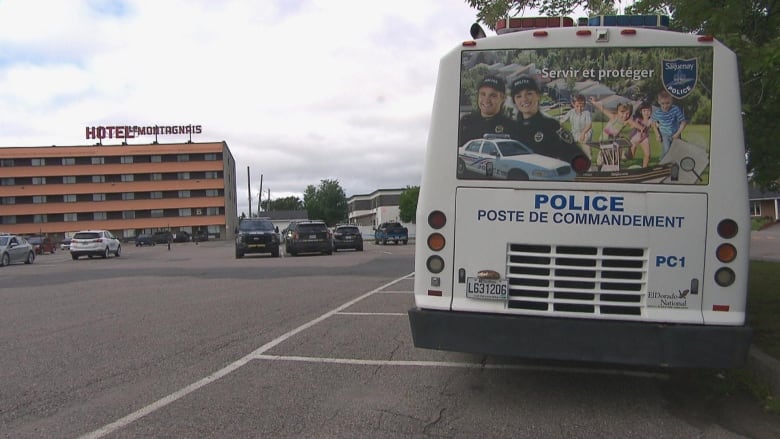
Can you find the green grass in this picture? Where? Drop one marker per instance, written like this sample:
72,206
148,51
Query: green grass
764,306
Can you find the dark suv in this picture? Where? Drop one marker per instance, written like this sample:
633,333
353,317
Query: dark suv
347,236
256,235
308,237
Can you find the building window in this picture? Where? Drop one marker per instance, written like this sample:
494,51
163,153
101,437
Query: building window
99,215
6,163
155,195
156,177
98,179
185,212
157,213
42,218
38,162
8,200
183,175
69,198
755,208
68,161
98,160
126,159
183,158
184,194
98,197
128,214
10,219
70,217
210,157
39,180
127,177
128,195
9,181
211,175
69,179
212,192
155,159
39,199
212,211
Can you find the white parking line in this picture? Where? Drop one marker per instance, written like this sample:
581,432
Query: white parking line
256,354
373,314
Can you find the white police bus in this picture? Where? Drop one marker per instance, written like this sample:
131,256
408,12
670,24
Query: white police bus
642,258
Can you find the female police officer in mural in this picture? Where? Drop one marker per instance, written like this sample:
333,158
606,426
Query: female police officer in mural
490,118
542,134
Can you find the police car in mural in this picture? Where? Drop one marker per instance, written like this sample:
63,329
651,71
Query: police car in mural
499,157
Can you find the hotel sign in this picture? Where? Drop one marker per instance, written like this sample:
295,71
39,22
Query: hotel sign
131,132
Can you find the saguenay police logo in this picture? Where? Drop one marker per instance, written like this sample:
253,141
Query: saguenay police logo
680,76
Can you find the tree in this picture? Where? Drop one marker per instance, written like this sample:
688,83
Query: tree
751,28
326,202
286,203
407,204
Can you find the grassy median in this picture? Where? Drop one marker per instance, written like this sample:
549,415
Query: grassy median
764,306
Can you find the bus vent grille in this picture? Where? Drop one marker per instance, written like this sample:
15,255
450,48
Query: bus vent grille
572,280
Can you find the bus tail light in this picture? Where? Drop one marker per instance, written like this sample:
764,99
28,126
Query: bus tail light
725,276
437,219
436,241
580,163
727,228
726,252
435,264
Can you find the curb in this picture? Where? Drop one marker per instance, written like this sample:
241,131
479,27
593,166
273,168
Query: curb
766,367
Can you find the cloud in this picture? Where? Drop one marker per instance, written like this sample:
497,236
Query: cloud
300,90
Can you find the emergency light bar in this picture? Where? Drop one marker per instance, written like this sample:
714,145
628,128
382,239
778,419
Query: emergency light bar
517,24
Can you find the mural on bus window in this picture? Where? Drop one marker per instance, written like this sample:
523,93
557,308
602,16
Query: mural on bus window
628,115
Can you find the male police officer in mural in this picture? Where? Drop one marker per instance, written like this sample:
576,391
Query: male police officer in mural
542,134
490,117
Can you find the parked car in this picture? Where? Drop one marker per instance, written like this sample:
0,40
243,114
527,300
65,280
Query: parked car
200,236
143,240
308,237
347,236
42,244
94,243
182,236
14,248
508,159
65,244
162,237
391,231
256,235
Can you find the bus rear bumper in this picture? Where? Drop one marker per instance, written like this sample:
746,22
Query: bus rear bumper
601,341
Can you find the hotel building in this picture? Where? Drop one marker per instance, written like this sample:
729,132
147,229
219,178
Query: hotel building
127,189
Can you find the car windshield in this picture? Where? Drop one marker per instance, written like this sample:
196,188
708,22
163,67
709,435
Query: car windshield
4,240
256,226
306,228
513,148
87,235
34,240
348,229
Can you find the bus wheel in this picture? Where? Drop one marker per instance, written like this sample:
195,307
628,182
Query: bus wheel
516,174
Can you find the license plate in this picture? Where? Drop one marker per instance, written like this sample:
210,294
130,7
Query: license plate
256,245
486,289
314,237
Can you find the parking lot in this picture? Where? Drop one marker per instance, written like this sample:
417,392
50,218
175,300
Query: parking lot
191,342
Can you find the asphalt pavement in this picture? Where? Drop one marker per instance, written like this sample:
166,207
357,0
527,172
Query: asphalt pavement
765,246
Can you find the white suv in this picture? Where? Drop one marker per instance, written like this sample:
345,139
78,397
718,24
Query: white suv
94,243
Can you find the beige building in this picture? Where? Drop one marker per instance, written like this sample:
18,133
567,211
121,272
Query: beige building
127,189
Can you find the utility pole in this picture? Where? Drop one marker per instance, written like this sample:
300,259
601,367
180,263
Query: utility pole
269,199
249,189
260,196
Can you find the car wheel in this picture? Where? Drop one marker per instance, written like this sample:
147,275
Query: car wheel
384,242
404,241
360,249
30,258
5,260
106,253
517,174
275,252
239,255
74,256
461,169
118,251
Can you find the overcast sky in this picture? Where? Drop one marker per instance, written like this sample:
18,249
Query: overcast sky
301,90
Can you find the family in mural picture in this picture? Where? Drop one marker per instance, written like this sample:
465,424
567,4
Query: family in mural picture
632,115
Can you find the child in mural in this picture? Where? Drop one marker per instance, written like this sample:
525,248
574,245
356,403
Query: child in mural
640,135
617,127
669,120
581,123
